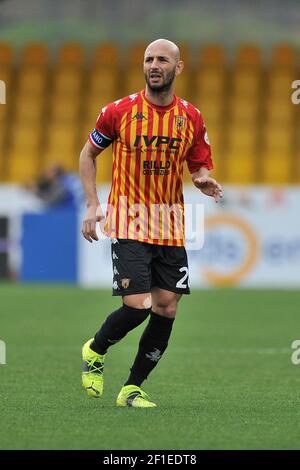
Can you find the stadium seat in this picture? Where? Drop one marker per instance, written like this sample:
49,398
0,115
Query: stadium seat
103,83
67,82
32,81
276,167
211,110
241,138
65,109
284,56
104,166
62,146
280,111
248,56
279,83
29,111
34,55
209,83
246,83
212,55
70,55
23,167
243,111
6,54
136,55
105,55
277,138
241,169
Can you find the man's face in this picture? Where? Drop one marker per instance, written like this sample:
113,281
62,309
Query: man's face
160,67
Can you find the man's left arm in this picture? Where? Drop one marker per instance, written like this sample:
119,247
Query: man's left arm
199,162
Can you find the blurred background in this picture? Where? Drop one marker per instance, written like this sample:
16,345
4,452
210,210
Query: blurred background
62,61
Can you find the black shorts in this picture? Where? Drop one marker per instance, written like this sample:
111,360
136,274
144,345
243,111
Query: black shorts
139,266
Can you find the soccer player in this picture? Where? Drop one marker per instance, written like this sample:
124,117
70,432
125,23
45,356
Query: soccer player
153,132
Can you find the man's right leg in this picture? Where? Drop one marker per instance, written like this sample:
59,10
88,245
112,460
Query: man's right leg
115,327
131,262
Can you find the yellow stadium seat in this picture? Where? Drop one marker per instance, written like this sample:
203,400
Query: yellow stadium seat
6,77
136,55
241,169
248,56
280,111
209,82
32,81
211,109
104,166
105,55
67,159
70,55
246,83
26,138
22,167
104,82
67,81
280,83
277,138
29,110
244,111
3,115
35,54
6,54
134,81
276,168
215,137
62,137
241,138
62,147
212,55
65,110
284,55
182,88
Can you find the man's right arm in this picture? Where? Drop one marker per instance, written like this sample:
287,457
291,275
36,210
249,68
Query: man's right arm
87,171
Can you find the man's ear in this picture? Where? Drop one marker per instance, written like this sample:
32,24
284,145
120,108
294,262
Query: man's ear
179,67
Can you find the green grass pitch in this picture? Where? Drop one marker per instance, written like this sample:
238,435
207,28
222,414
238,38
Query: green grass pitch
225,382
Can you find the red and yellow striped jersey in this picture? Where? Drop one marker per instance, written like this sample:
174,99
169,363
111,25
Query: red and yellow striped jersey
150,146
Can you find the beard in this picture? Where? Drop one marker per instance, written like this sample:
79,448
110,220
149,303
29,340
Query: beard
165,86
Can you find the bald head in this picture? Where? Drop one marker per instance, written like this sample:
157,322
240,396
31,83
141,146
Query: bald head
164,46
162,64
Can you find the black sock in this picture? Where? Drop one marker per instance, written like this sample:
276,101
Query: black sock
153,343
117,325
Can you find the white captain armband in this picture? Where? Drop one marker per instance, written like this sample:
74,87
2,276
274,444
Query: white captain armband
100,140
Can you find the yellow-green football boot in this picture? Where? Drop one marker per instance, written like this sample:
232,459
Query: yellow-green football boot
131,395
92,371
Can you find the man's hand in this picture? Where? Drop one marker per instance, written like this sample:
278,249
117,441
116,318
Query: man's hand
209,186
94,215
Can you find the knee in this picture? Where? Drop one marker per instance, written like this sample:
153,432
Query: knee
168,310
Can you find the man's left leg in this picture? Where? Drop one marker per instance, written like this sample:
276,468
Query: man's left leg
154,340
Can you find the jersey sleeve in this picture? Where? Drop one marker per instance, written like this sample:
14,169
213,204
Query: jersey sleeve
104,131
199,154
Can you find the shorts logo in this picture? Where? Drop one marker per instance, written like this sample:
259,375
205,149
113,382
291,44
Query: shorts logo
125,283
180,122
115,285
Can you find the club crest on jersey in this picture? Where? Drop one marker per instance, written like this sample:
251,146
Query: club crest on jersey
125,283
180,122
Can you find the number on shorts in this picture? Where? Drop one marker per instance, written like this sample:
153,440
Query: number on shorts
180,284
